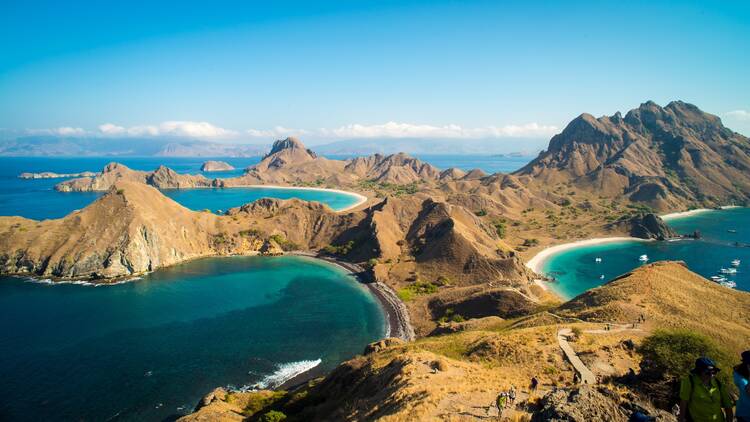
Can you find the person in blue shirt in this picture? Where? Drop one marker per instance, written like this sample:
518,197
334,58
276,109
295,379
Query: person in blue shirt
742,381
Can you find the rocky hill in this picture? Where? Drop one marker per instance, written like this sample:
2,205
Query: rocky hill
130,230
666,157
457,376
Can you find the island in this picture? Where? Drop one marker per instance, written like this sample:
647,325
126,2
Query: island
52,175
448,251
216,166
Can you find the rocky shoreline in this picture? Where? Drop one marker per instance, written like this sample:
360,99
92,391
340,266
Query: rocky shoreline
397,316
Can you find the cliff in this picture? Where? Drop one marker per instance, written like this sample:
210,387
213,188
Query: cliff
666,157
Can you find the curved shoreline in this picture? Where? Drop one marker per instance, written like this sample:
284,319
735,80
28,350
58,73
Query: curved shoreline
396,315
536,263
683,214
361,199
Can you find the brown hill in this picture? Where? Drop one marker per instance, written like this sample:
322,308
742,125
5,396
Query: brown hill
457,376
163,178
667,157
130,230
669,296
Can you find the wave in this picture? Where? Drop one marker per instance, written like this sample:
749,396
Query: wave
284,372
49,281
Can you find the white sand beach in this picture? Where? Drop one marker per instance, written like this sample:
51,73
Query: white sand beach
683,214
361,199
535,263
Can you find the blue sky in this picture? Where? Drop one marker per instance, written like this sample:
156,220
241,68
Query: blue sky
247,71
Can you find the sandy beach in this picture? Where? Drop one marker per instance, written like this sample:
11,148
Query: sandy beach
536,263
683,214
361,199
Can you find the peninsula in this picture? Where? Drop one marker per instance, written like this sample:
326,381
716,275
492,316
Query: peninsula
450,245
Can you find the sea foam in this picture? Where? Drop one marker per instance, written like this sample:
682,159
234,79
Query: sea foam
284,372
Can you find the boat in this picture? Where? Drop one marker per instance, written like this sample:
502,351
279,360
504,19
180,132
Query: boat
732,231
736,263
728,283
643,258
728,270
718,278
601,277
597,259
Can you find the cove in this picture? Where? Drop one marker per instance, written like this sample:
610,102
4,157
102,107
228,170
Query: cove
725,237
151,348
38,200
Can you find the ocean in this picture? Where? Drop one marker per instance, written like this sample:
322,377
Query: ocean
38,200
150,349
726,237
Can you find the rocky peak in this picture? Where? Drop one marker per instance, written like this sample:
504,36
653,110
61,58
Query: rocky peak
290,143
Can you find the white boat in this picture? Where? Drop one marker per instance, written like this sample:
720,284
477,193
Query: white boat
597,260
718,278
601,277
643,258
729,283
728,270
736,263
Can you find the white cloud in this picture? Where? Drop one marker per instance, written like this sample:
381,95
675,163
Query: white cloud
278,132
739,115
187,129
208,131
409,130
59,131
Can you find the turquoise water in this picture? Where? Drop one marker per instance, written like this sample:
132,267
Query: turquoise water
37,199
223,199
576,270
149,349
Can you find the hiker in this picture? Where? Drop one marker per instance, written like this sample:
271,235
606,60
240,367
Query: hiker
512,394
534,384
741,377
500,402
702,397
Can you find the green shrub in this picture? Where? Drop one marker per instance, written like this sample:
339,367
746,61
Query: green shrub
405,294
499,228
673,354
530,242
272,416
120,191
339,250
284,243
480,213
372,262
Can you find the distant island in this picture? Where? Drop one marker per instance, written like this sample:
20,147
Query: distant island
216,166
52,175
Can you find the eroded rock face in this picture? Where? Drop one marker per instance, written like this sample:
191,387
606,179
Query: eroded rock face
668,157
651,226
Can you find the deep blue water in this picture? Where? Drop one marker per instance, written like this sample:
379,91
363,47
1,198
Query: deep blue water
576,270
149,349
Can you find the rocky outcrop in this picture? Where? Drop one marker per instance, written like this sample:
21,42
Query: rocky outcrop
216,166
667,157
162,178
52,175
650,226
588,403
